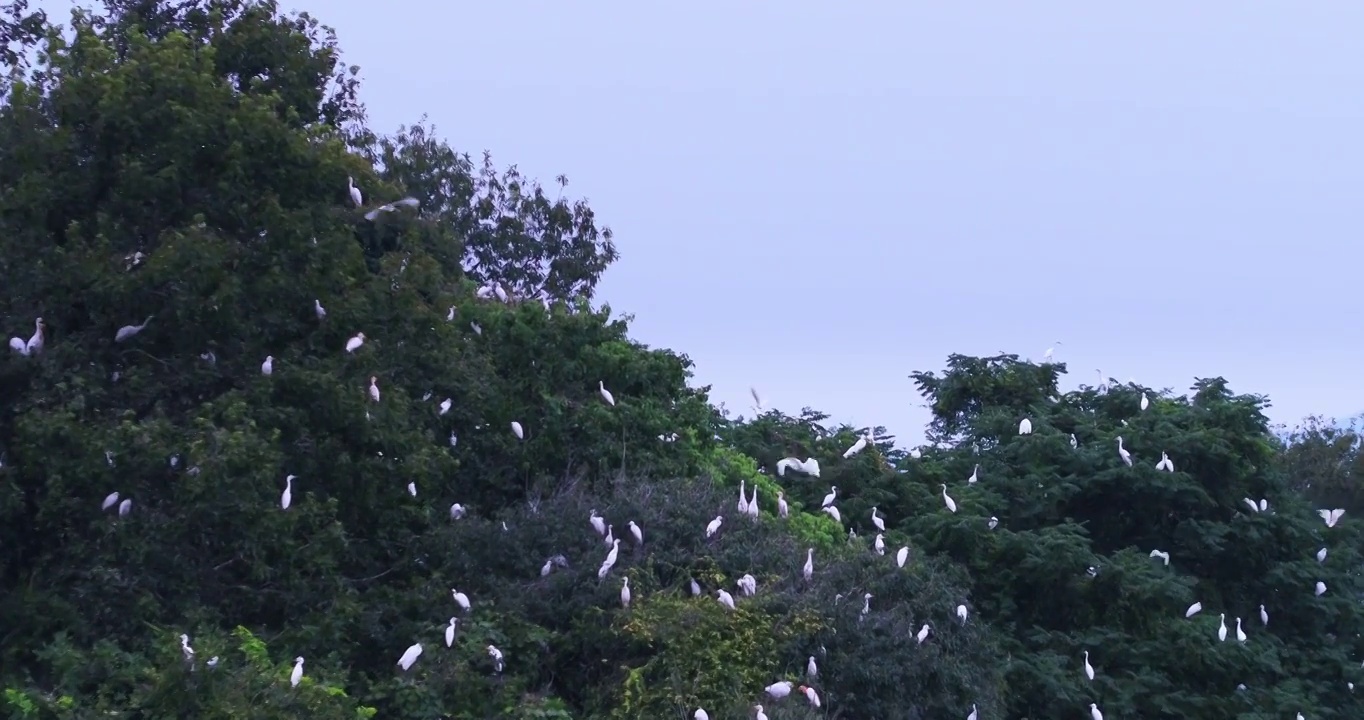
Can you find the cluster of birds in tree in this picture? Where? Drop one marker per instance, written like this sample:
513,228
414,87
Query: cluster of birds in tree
747,506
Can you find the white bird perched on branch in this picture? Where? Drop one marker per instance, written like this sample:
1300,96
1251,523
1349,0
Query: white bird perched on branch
128,331
625,593
832,512
878,522
606,394
975,476
714,525
598,523
461,599
34,344
857,447
743,499
1165,463
748,585
496,655
1162,555
1122,453
810,695
809,570
829,499
947,499
288,497
110,500
879,545
355,196
1222,627
783,509
268,367
296,676
1025,427
1320,588
354,343
636,533
444,407
457,511
125,507
390,207
610,560
1089,669
779,690
725,598
1094,713
700,714
901,556
518,431
1193,610
409,657
758,713
318,310
374,388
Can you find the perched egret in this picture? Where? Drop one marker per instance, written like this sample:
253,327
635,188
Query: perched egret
901,556
700,714
758,713
354,343
461,599
1320,589
610,536
1122,453
1162,555
1193,610
1240,634
389,207
714,525
606,394
829,499
748,584
318,310
625,593
1094,713
880,524
496,655
783,510
444,407
288,496
951,504
779,690
1073,442
1145,403
962,613
296,676
832,512
110,500
1264,616
410,656
1321,555
1165,463
973,715
923,633
412,489
457,511
34,344
811,669
128,331
975,476
125,507
743,499
636,533
1089,669
268,366
598,523
1251,503
374,388
856,447
992,523
185,649
1222,627
879,545
518,431
1025,427
810,695
450,632
725,598
355,198
809,570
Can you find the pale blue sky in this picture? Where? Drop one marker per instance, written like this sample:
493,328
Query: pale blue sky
818,198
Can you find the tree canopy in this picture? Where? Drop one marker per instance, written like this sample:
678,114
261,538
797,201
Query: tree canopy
216,323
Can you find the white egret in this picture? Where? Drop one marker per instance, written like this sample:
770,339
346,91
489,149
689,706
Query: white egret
975,476
1122,452
636,533
879,545
1331,516
866,603
461,599
832,512
1162,555
125,507
318,310
410,656
1193,610
1222,627
613,553
809,466
856,447
779,690
1240,634
725,598
962,613
783,509
1165,463
880,525
748,585
1320,589
1145,403
450,632
1025,427
1073,442
810,695
973,715
1264,616
478,329
444,407
695,589
1094,713
923,634
288,496
110,500
809,570
185,649
457,511
916,453
758,713
374,388
1264,505
412,489
811,669
714,525
1321,555
128,331
700,714
625,594
296,676
606,394
354,194
268,366
610,535
947,499
354,343
598,523
743,499
1251,503
992,523
389,207
753,503
829,499
34,344
1089,669
901,556
518,431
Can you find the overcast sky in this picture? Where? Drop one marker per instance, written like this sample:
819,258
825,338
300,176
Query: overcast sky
818,198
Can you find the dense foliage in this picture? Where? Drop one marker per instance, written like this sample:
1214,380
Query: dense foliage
182,166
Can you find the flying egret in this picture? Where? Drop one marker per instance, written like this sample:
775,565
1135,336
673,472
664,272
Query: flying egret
809,466
901,556
410,656
951,504
1193,610
355,198
606,394
296,676
1240,634
318,310
1222,627
450,632
1122,452
268,366
975,475
636,533
1331,516
809,570
354,343
34,344
518,431
757,399
714,525
461,599
288,496
1162,555
725,598
389,207
1089,669
1025,427
110,500
625,594
128,331
829,499
783,509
